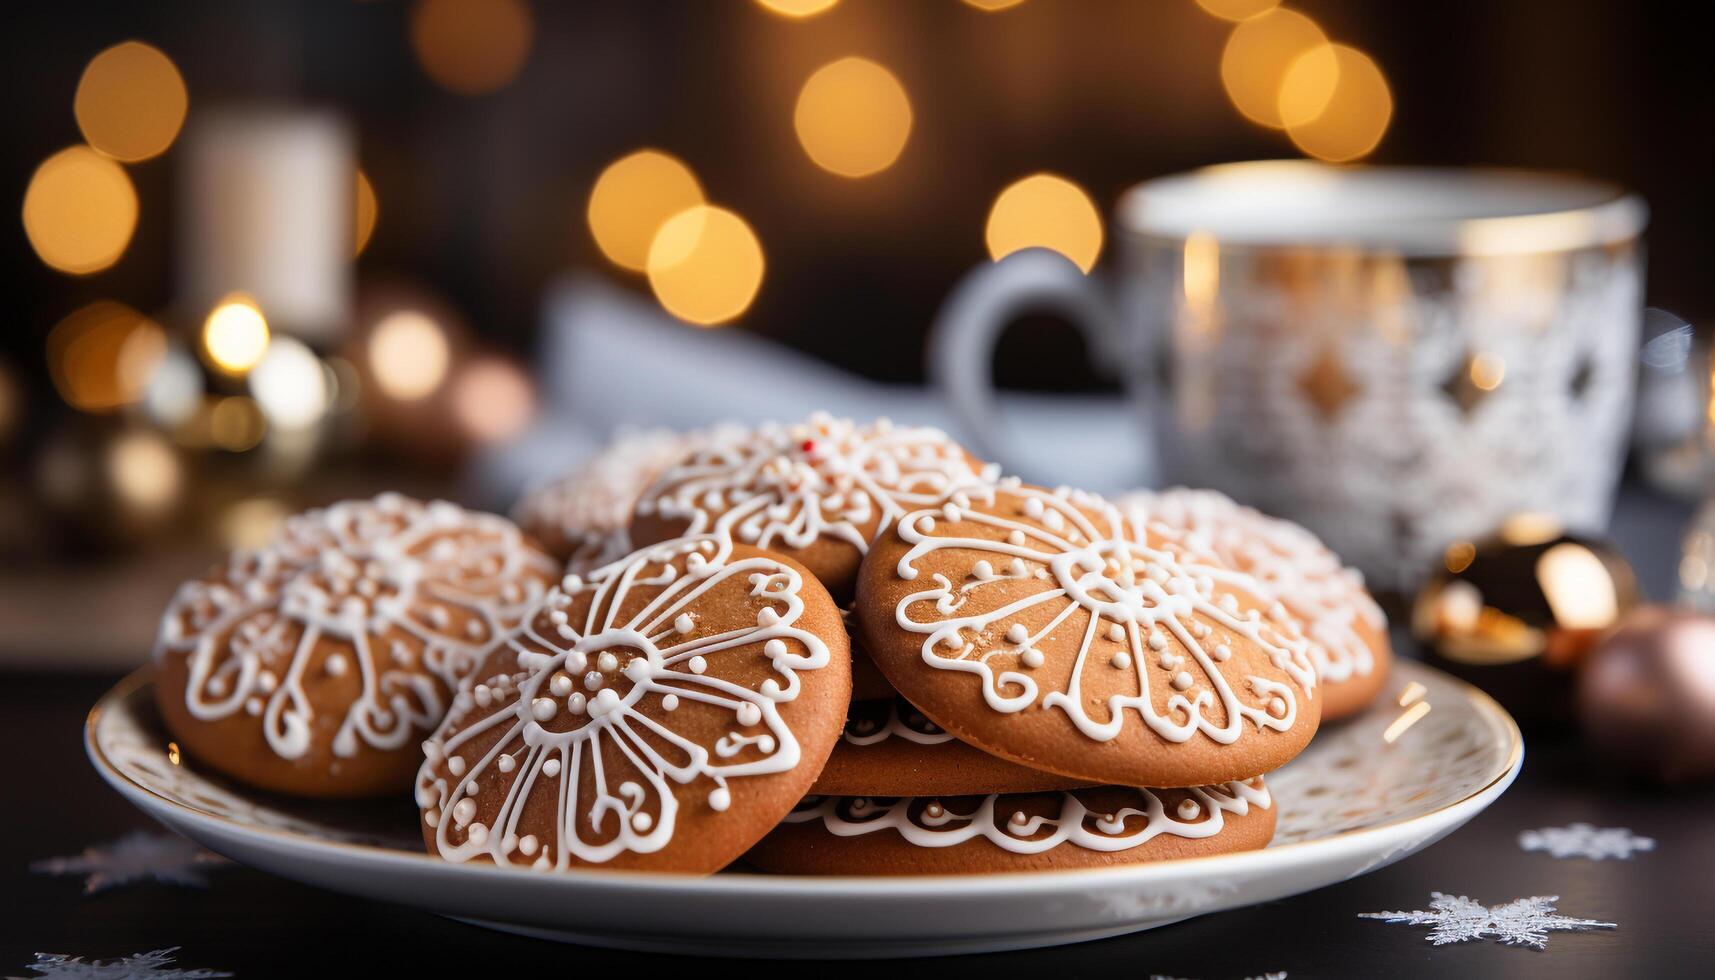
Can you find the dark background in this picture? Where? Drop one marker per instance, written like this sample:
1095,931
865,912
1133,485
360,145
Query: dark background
482,197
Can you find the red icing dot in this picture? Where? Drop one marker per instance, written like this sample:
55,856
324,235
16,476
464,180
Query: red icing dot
808,445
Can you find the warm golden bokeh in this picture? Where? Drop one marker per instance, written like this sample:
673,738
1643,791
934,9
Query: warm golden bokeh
798,9
1255,61
131,101
144,472
1045,211
705,265
235,335
472,47
493,400
408,355
1355,116
79,211
102,356
290,385
992,5
1237,9
1308,85
367,210
236,424
633,198
853,117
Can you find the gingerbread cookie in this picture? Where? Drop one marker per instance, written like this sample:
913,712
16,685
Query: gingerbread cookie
868,682
1346,629
1084,828
662,714
1048,628
818,492
889,748
582,516
314,666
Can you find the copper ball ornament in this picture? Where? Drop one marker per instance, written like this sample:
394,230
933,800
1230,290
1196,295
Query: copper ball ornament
1516,613
1646,694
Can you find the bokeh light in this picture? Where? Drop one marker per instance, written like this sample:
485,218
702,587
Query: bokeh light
1356,103
853,117
367,210
1488,370
493,400
144,472
1256,59
1237,9
408,355
633,198
798,9
290,385
1045,211
175,389
131,101
992,5
705,265
472,47
252,522
79,211
102,356
236,424
235,335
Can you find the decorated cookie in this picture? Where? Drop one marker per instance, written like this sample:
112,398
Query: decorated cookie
889,748
582,516
661,714
818,492
868,682
1048,628
1346,629
315,665
1083,828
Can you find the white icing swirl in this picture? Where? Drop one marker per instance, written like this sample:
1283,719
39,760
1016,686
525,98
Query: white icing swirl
936,823
823,478
869,726
1163,612
404,592
589,717
1288,564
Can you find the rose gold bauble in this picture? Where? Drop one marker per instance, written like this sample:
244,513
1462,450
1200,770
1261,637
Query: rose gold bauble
1646,694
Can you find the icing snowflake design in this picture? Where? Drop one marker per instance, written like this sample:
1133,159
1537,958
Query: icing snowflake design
153,965
405,597
605,669
1198,814
822,478
1581,840
583,515
1143,612
1521,922
1288,563
138,856
868,724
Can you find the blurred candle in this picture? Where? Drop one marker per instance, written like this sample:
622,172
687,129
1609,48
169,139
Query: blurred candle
267,211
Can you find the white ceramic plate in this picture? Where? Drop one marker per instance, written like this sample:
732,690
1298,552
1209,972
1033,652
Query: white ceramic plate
1354,801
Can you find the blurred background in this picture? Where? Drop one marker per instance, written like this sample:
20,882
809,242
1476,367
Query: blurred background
274,254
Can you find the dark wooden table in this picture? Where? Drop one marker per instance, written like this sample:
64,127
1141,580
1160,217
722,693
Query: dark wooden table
255,925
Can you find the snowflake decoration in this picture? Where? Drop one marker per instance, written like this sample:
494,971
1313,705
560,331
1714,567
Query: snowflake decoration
1521,922
138,856
1585,841
153,965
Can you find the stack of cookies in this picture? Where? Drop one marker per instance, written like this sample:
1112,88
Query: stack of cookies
826,648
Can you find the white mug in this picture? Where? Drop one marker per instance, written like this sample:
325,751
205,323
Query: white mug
1397,358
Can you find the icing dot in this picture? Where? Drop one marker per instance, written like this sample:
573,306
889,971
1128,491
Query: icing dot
698,665
768,616
1019,820
1017,634
1122,660
683,623
455,765
1181,681
432,817
551,768
527,844
253,706
1277,707
266,681
478,834
592,680
983,570
1015,538
542,709
1116,632
1189,810
1223,652
336,665
670,702
607,662
470,788
935,810
749,714
463,811
505,763
775,649
560,685
720,798
576,703
1032,657
1033,507
1157,641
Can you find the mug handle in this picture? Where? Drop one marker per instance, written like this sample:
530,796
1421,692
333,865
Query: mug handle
962,340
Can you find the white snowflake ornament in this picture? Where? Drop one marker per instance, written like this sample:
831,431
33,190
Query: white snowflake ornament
1521,922
138,856
1581,840
153,965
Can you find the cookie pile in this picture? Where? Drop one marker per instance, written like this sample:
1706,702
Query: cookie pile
824,648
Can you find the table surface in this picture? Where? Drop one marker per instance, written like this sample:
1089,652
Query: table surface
255,925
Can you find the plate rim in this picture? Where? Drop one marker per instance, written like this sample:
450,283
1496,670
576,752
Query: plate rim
823,886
